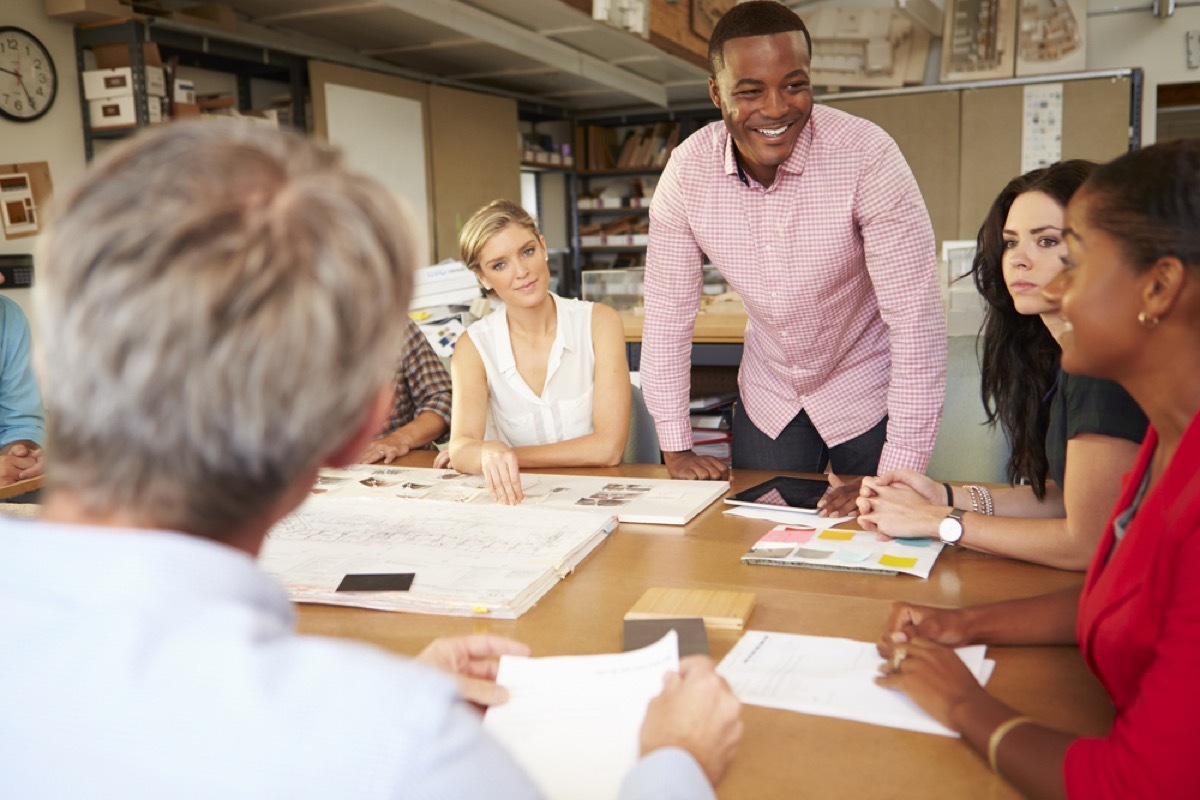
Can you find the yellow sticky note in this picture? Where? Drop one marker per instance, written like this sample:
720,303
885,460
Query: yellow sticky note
836,535
900,562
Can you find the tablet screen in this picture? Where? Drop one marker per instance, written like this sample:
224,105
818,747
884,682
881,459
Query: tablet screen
797,493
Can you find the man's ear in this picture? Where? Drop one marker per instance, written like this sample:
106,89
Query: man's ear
714,91
351,450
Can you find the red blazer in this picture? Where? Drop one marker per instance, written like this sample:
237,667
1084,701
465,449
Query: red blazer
1139,630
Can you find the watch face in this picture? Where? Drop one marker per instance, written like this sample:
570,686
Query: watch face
950,529
28,81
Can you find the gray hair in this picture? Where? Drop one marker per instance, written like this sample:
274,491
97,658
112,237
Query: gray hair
218,305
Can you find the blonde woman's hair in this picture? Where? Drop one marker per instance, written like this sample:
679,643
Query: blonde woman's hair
219,304
486,223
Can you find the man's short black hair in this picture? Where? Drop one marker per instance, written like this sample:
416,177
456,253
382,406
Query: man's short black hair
755,18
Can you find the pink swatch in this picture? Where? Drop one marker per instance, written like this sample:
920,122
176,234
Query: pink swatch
791,534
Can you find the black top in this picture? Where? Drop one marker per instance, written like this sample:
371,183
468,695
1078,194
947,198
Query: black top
1088,405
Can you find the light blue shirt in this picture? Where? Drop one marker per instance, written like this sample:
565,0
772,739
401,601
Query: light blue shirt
21,414
143,665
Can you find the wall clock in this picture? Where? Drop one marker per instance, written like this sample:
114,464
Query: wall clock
28,80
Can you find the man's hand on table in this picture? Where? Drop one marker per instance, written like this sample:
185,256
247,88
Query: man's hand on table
840,499
686,465
472,660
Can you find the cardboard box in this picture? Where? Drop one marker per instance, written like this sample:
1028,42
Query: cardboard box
112,112
154,110
184,91
183,110
111,56
80,11
102,83
212,15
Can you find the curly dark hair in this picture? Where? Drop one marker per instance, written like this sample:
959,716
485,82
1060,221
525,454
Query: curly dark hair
754,18
1018,356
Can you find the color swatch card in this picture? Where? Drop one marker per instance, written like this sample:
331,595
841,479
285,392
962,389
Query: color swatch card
843,549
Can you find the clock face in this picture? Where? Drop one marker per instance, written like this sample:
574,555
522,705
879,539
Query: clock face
28,81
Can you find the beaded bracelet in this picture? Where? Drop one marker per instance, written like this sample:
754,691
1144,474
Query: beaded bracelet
982,496
997,735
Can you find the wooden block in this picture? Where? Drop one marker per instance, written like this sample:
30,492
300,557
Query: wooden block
720,609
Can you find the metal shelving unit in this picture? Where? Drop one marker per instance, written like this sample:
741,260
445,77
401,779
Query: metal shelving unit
203,50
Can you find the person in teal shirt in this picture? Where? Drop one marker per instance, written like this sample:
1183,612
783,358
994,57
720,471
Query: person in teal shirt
22,422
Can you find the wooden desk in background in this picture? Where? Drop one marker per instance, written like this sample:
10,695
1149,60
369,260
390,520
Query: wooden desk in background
783,754
716,342
21,487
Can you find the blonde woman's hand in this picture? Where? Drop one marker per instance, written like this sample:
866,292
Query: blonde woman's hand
501,474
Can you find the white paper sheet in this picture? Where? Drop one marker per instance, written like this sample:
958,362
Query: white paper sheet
829,677
785,516
573,722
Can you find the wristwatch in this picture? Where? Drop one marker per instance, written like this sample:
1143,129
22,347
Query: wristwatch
950,529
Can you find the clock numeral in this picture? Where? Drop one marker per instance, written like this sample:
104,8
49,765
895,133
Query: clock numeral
37,62
42,77
18,106
40,92
13,44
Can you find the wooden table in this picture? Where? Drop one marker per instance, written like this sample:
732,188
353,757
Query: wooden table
783,754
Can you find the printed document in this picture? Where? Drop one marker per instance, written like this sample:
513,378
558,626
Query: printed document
829,677
574,722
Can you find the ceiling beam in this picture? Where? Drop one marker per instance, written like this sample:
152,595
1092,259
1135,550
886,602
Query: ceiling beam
423,47
489,28
316,13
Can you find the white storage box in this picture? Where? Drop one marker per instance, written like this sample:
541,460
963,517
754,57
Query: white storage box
99,84
112,112
184,91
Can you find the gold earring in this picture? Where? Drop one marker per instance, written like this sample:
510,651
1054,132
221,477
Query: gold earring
1147,320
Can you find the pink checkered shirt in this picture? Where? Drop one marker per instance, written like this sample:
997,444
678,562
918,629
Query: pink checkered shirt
835,263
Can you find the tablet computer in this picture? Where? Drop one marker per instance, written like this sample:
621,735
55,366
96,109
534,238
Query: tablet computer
796,494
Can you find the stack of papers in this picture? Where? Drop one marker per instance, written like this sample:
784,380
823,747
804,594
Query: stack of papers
829,677
644,500
464,559
574,722
801,545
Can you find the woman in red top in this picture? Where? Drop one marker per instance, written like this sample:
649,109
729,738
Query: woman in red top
1131,296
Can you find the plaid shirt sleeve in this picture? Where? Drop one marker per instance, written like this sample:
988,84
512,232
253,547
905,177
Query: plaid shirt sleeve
422,383
900,255
673,278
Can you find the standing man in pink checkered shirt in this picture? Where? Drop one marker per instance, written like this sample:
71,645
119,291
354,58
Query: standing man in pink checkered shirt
814,218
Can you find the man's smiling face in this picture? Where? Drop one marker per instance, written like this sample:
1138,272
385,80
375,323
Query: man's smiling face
765,98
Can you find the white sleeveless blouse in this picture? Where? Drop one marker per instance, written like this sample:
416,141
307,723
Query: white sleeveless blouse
516,415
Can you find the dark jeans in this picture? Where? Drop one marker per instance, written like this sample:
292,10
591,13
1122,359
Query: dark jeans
799,448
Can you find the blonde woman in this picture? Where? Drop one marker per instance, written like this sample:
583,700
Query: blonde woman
540,382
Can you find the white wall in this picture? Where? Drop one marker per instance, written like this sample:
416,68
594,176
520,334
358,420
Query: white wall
1139,39
56,138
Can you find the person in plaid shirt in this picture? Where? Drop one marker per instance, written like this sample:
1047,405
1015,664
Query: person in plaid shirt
813,217
422,411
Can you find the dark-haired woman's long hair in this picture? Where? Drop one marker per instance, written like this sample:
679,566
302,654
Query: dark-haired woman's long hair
1018,356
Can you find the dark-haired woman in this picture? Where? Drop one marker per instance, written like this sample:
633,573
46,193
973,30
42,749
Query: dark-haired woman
1071,437
1131,298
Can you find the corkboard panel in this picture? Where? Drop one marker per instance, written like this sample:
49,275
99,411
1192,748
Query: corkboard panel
1095,126
991,150
926,128
469,169
1096,118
